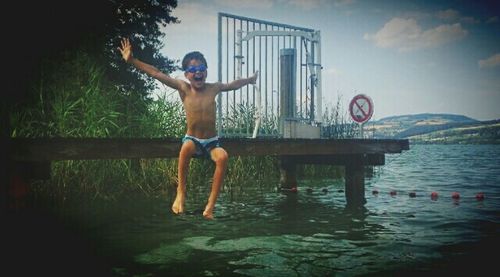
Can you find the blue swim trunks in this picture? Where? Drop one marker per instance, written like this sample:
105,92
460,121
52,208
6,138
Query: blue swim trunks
203,146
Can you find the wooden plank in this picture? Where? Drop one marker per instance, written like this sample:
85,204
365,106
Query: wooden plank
339,159
51,149
312,146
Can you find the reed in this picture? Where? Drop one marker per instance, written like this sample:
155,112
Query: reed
336,123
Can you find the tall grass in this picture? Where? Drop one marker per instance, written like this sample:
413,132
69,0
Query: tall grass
73,98
336,123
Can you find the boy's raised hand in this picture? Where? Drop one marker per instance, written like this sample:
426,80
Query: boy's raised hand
126,49
253,79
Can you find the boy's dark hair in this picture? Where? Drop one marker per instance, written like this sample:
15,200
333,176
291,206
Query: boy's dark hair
195,55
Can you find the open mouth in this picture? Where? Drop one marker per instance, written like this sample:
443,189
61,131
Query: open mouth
198,78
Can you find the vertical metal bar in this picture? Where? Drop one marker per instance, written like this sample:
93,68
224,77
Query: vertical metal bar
319,117
278,72
284,40
236,130
219,73
313,84
272,73
306,78
265,82
227,65
239,61
247,57
260,62
253,65
241,53
300,75
234,62
240,100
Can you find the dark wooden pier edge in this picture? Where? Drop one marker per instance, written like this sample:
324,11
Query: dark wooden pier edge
32,157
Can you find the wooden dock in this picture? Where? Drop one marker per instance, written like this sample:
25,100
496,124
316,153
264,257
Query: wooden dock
35,155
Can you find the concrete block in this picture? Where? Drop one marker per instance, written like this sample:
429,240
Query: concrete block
295,129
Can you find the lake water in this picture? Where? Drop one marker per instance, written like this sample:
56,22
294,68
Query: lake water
259,232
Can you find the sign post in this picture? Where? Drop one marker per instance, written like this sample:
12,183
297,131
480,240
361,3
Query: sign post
361,110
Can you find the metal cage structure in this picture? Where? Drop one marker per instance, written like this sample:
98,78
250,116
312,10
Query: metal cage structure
247,45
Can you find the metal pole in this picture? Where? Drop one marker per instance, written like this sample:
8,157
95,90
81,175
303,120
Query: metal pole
313,82
219,69
238,56
287,80
319,91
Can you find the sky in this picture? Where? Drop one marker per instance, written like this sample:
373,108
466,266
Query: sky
409,57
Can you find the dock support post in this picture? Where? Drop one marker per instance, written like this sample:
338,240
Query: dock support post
288,177
355,185
5,174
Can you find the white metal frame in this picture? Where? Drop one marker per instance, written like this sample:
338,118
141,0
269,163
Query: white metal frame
313,62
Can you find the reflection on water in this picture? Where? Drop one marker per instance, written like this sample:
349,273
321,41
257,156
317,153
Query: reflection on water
310,233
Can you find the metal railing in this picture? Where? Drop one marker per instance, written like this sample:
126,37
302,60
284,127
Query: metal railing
247,45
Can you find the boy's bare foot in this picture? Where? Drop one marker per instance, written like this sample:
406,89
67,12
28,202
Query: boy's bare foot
208,213
178,206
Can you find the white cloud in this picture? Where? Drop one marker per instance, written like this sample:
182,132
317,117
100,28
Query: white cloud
406,35
492,61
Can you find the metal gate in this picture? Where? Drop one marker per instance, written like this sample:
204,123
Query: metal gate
247,45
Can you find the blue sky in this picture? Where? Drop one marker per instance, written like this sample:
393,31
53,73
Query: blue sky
410,57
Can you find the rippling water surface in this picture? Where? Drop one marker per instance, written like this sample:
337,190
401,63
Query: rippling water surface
259,232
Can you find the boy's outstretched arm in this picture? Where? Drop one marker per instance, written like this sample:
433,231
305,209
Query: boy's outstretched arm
236,84
126,51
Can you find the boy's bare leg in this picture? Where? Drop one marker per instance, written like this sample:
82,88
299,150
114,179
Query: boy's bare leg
220,157
187,150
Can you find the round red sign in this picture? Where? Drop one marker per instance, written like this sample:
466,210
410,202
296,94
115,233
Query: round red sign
361,108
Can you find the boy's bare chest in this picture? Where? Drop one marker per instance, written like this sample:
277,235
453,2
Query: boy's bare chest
199,102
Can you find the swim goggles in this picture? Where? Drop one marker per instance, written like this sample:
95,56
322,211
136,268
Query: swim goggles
194,69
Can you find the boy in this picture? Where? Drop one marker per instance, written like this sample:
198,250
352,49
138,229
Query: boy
198,98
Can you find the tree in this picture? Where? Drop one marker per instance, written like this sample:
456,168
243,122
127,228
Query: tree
140,21
44,30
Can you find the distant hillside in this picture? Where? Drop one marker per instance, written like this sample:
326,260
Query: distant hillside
473,134
436,128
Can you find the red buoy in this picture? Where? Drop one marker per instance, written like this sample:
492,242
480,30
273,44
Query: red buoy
434,195
455,195
480,196
393,193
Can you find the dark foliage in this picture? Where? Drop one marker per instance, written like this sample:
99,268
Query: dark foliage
36,31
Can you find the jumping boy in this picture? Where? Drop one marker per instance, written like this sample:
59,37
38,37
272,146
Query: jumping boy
198,98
